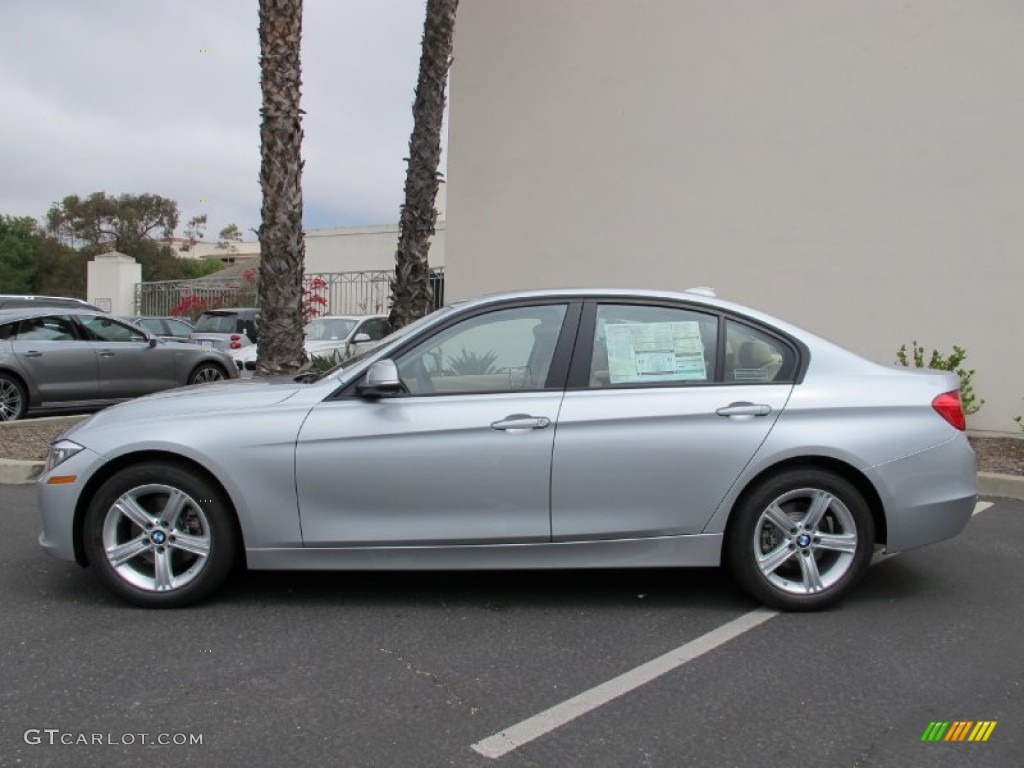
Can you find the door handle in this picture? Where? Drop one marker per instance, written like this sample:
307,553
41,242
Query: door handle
33,353
744,409
106,353
521,421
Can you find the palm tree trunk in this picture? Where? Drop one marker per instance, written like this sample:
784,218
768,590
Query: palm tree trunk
410,292
282,249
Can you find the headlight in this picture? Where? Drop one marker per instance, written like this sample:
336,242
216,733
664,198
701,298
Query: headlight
61,451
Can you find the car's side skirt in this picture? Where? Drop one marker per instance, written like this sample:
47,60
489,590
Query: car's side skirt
660,551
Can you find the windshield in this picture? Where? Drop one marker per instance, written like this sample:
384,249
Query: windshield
218,324
388,339
325,328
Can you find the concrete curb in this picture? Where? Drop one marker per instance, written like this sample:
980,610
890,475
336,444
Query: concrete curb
14,472
1005,486
18,472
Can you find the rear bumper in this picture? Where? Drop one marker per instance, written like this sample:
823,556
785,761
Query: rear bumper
928,496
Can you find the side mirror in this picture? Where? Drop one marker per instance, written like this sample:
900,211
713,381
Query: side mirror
381,379
359,338
152,341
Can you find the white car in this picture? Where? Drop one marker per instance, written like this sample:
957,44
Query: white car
329,336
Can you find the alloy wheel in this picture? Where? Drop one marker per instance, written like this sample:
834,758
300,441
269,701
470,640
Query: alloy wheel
156,538
805,541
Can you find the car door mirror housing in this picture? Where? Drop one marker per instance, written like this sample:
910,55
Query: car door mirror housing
359,338
381,379
152,342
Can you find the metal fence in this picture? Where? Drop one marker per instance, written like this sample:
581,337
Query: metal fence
367,292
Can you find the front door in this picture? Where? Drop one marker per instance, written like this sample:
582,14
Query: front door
464,457
59,362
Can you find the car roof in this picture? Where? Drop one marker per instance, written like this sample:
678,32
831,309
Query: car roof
702,296
26,313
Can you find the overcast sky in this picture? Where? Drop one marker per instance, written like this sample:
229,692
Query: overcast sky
116,96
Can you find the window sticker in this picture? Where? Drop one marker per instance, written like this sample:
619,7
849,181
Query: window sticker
639,352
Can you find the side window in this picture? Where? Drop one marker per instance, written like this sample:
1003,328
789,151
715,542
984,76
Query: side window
105,329
636,345
509,349
153,325
752,356
46,329
8,331
178,329
376,329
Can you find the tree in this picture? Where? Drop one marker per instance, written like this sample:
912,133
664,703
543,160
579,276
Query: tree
410,292
101,222
17,254
281,243
194,231
230,235
61,270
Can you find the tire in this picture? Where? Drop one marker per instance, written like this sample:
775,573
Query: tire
13,398
160,536
205,373
813,563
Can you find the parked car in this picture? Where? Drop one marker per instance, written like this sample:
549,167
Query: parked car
329,336
227,329
544,429
164,328
70,358
15,301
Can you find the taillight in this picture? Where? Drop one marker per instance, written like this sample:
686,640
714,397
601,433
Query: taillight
948,406
235,337
236,345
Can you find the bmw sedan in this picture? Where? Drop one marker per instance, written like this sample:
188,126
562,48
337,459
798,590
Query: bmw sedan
548,429
72,358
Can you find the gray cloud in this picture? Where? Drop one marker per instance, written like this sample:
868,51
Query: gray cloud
116,95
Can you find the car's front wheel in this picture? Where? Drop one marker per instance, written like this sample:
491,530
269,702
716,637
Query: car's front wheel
800,540
13,400
206,373
160,536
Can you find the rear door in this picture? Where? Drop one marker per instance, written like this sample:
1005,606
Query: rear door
127,366
651,433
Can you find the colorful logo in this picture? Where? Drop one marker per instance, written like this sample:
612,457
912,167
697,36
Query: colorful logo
959,730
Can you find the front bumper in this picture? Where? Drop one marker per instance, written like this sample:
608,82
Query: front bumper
928,496
57,503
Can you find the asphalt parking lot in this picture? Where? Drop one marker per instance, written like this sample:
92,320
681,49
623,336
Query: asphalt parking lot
414,670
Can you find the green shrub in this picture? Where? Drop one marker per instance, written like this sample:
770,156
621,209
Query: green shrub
952,362
321,363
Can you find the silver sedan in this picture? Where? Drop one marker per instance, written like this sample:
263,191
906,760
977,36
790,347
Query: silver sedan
550,429
54,358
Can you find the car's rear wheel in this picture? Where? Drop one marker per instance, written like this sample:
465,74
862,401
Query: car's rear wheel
207,372
800,540
13,399
160,536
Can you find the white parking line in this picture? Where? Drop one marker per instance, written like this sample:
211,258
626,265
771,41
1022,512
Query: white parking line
525,731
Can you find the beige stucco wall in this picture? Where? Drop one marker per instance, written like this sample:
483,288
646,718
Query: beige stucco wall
855,166
348,249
